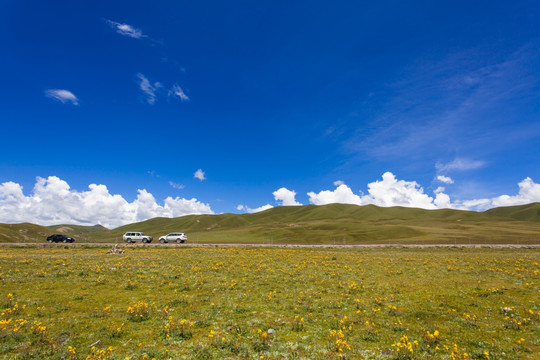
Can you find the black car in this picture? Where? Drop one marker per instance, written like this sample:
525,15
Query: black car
60,238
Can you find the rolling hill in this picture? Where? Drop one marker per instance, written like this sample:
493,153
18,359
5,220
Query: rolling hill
528,212
327,224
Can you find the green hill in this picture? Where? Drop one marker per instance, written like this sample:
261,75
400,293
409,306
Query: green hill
528,212
24,232
77,229
327,224
30,233
340,223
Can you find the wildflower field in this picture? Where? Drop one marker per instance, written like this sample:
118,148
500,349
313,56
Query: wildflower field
269,303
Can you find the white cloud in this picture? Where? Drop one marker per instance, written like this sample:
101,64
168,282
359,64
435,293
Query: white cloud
338,182
387,192
176,90
199,174
157,88
62,95
445,179
529,192
256,210
148,88
125,29
176,185
442,200
476,204
439,190
286,197
459,164
54,202
342,194
393,192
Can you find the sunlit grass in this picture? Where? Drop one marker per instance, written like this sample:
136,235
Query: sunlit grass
276,303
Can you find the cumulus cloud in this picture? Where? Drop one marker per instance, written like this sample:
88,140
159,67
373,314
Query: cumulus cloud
342,194
386,192
176,185
445,179
148,88
252,211
125,29
54,202
176,90
460,164
393,192
64,96
199,174
286,197
442,200
529,192
338,182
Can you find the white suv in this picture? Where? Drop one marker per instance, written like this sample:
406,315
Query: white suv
173,237
130,237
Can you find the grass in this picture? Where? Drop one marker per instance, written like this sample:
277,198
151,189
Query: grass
528,212
328,224
269,303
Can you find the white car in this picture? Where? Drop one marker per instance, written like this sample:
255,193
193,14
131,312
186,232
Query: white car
173,237
131,237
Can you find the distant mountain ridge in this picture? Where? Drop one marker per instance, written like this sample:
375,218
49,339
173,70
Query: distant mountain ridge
324,224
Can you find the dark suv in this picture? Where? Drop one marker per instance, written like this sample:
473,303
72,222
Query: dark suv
60,238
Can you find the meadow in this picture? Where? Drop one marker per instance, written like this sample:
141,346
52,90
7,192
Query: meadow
269,303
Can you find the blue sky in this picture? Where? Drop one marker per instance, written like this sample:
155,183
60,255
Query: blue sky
315,97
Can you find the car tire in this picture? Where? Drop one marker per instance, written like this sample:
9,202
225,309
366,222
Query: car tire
64,241
178,241
162,241
128,240
50,240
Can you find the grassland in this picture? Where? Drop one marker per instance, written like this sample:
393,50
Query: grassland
269,303
328,224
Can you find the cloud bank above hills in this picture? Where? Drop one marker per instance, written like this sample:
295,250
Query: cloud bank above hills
52,201
393,192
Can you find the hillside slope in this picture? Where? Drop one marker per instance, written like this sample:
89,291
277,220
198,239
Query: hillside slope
327,224
23,232
528,212
31,233
77,229
340,223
